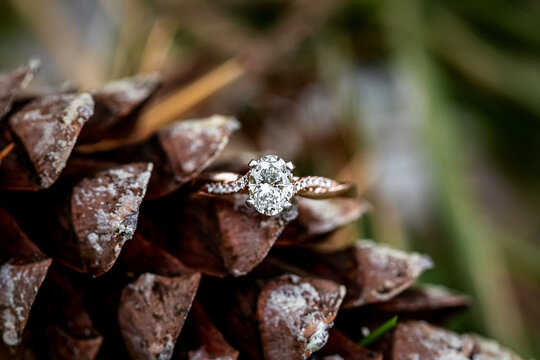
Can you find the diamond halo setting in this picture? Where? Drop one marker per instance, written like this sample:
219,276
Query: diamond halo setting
270,185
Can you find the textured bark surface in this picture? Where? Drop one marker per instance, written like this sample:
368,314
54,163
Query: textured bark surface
179,151
372,273
22,271
485,349
48,128
387,272
70,332
340,346
140,255
19,284
234,313
104,212
191,145
16,170
428,298
14,81
419,340
428,302
295,314
219,236
64,346
84,222
207,342
152,312
317,218
115,102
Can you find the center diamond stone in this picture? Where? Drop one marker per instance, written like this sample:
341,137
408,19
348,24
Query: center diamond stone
270,185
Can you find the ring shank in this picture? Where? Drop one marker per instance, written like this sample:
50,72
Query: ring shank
345,189
219,177
314,187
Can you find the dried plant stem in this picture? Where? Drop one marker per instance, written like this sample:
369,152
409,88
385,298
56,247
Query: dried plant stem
131,24
255,60
5,151
172,107
159,42
184,99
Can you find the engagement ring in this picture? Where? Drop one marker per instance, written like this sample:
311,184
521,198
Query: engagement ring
271,185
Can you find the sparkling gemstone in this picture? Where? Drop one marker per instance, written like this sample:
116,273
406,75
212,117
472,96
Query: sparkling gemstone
270,185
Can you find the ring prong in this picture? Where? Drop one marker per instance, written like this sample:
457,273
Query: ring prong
250,203
288,206
290,165
253,163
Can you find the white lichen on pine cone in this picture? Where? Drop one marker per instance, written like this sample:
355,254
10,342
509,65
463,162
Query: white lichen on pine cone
201,141
382,254
11,313
305,311
486,349
19,285
392,270
152,312
130,90
48,128
80,109
105,209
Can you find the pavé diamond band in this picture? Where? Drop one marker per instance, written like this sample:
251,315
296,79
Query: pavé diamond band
271,185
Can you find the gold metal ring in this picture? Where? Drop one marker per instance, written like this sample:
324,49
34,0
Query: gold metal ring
271,186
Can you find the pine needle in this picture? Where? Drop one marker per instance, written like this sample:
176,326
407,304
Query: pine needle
378,332
5,151
172,107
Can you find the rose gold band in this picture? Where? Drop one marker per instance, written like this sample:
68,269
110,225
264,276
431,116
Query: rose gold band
316,187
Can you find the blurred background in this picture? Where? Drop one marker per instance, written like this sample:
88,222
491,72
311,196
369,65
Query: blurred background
431,107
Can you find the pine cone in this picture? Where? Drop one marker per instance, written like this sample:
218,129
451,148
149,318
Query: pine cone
113,253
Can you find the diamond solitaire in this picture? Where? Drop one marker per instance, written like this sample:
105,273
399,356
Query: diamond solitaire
271,185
